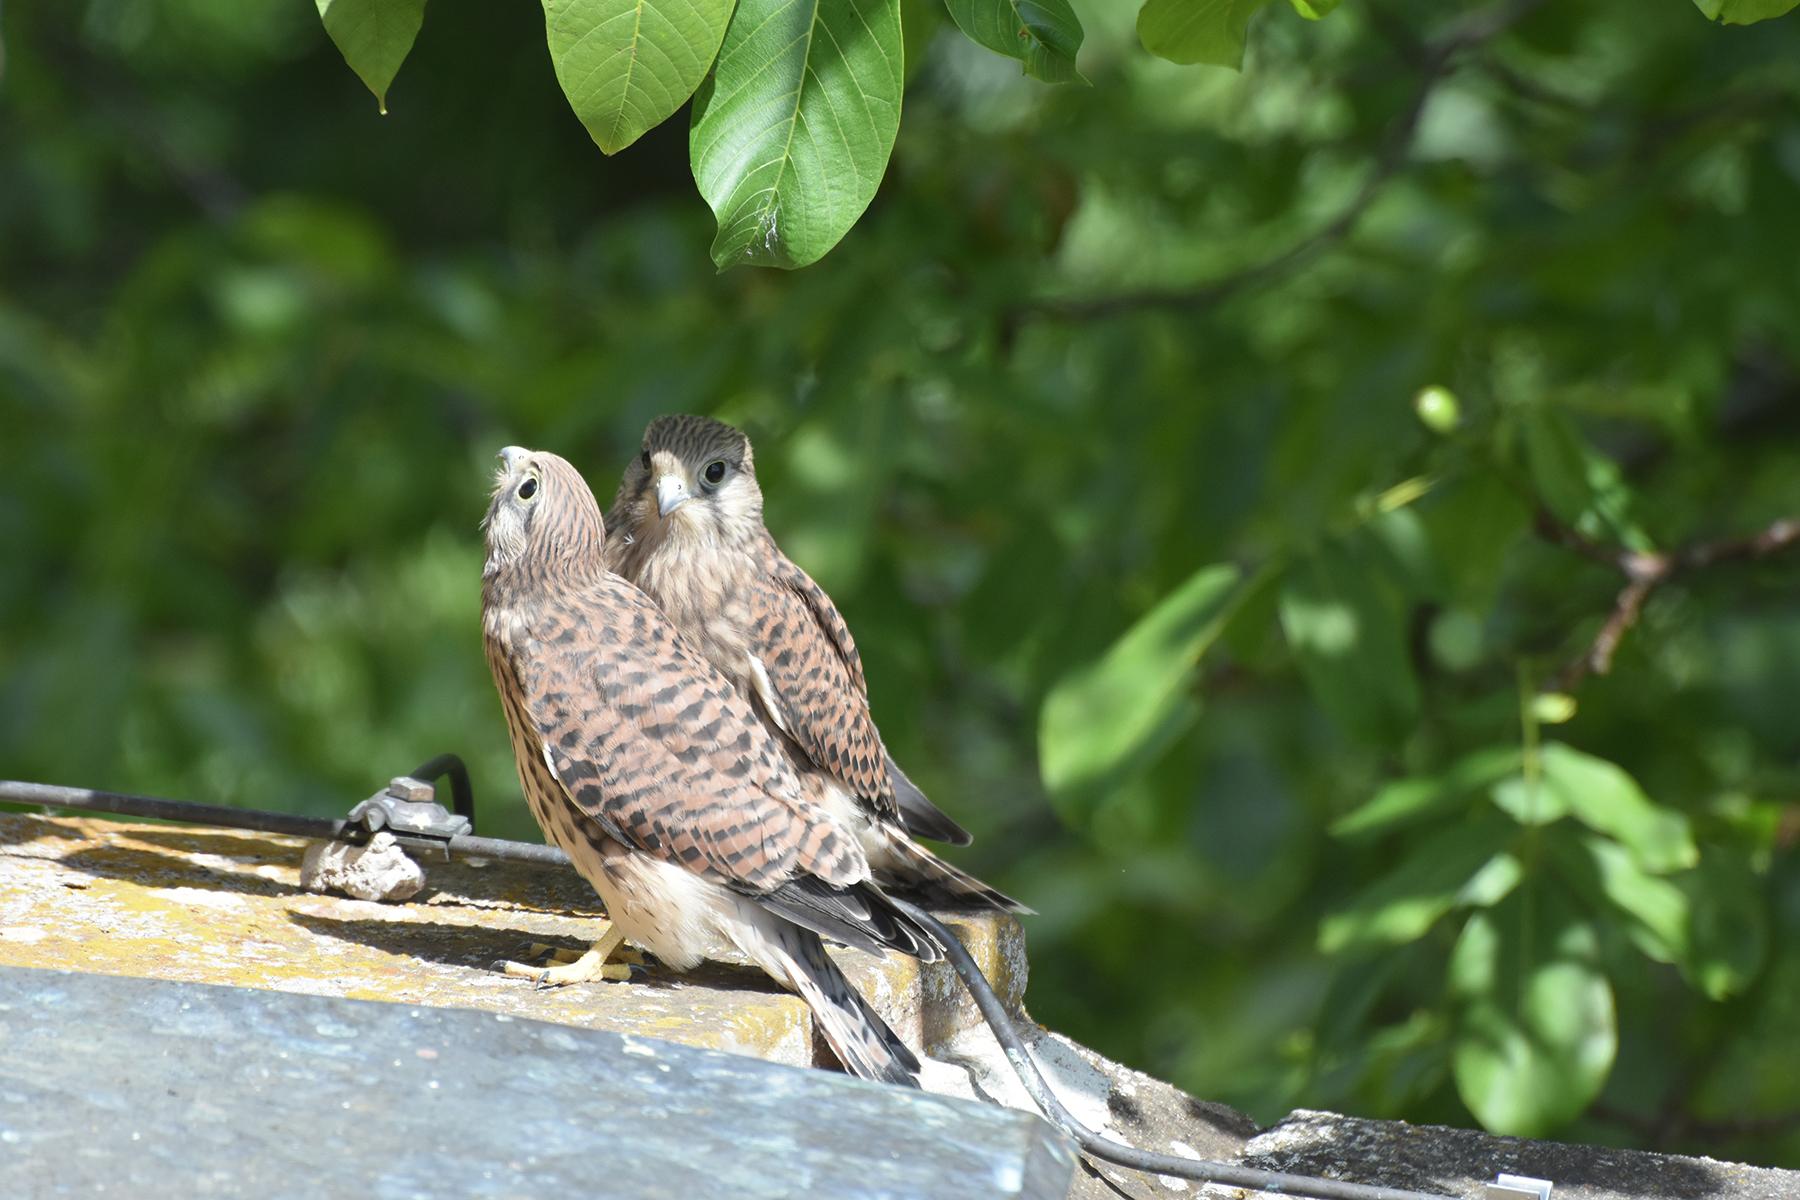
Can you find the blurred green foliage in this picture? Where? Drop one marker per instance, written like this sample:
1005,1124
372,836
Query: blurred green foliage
1329,473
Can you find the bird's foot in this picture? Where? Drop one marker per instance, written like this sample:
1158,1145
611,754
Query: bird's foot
606,959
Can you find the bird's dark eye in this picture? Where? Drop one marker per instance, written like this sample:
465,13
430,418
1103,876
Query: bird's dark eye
645,459
528,488
715,472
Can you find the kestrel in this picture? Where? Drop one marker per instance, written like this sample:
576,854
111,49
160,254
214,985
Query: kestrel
687,527
654,775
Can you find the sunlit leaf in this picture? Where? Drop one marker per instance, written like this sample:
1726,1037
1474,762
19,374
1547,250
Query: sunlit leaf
1528,801
1463,863
792,131
1744,12
1197,31
1043,35
1536,1031
374,36
1109,719
1655,911
627,65
1606,799
1408,800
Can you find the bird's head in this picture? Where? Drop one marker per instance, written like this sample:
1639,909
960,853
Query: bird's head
693,475
543,519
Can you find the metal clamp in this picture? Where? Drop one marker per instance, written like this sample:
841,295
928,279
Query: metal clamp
1518,1187
408,809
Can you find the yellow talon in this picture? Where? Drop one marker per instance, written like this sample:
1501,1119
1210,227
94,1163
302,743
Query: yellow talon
577,967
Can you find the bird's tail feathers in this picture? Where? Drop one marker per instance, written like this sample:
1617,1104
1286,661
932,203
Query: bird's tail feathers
866,1045
921,817
909,869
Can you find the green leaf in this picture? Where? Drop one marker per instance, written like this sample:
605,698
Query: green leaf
1474,525
1583,488
1042,34
1407,800
1312,10
1197,31
1553,451
1744,12
1728,925
793,130
1529,802
627,65
1466,863
1104,722
1346,629
1656,910
374,36
1605,799
1536,1031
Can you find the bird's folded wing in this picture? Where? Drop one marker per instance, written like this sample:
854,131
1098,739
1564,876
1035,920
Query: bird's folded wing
646,737
814,679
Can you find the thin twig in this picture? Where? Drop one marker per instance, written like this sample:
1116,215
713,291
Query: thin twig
1435,60
1644,573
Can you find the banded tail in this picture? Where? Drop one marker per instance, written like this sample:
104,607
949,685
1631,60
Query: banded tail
862,1041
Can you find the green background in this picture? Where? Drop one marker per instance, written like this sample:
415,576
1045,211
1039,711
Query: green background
259,344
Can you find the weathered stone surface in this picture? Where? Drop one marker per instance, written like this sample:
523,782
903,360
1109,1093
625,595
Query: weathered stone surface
142,1088
225,906
1461,1162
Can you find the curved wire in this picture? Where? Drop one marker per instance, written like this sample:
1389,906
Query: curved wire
995,1014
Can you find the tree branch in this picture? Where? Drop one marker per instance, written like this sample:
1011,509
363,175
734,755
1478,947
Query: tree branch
1435,59
1644,573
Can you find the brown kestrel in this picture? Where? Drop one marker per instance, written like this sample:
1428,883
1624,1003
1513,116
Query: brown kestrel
651,771
687,527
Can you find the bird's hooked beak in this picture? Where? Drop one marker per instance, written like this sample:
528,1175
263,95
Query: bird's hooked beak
671,492
513,457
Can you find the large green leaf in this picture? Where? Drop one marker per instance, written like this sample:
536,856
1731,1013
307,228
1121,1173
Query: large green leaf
1606,799
374,36
1103,722
1347,629
1536,1031
627,65
1197,31
1407,800
1655,910
793,130
1744,12
1042,34
1465,863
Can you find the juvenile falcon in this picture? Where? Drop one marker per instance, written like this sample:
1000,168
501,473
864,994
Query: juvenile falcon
687,527
653,774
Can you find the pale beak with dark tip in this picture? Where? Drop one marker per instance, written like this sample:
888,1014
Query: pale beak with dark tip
513,457
671,493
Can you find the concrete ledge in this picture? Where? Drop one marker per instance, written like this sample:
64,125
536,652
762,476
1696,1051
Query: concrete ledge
224,906
1461,1162
137,1087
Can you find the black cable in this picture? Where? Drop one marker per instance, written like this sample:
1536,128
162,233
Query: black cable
13,791
462,793
994,1012
48,795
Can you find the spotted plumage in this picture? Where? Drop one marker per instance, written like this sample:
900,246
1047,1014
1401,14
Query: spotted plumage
687,527
646,766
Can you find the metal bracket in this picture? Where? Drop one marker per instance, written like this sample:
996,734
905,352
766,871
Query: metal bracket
408,809
1518,1187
